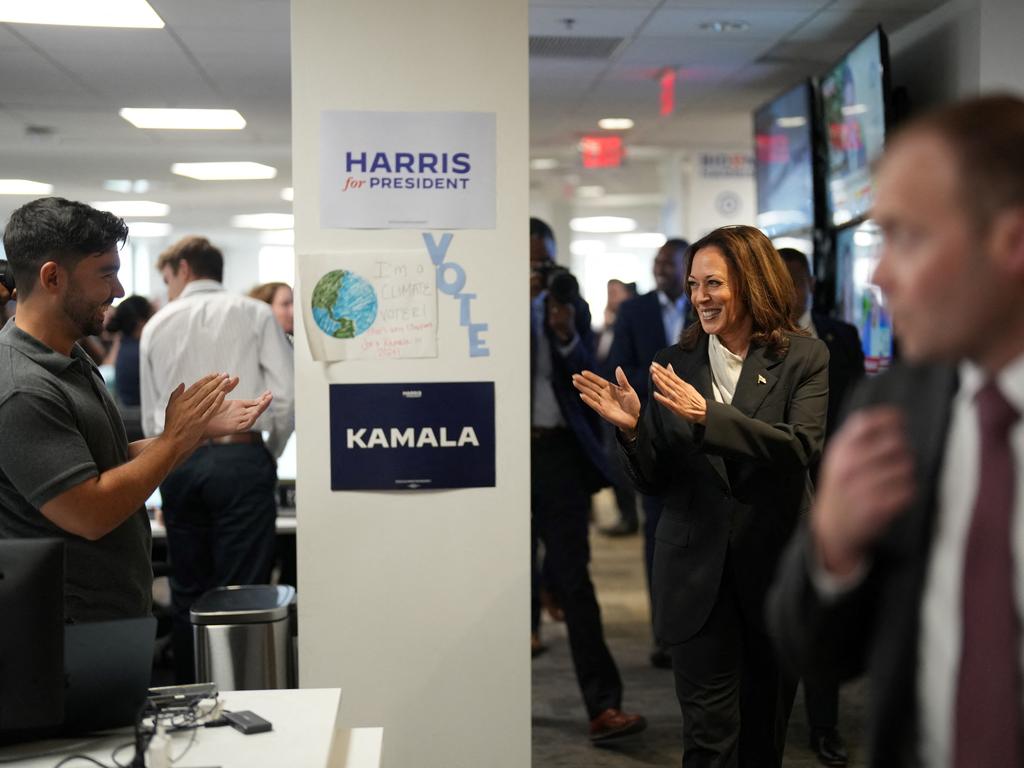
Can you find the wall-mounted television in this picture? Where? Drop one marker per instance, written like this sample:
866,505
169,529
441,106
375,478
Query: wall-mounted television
858,301
784,162
854,96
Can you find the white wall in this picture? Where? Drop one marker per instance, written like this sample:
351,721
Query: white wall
416,603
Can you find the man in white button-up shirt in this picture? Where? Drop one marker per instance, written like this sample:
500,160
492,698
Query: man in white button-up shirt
219,506
912,567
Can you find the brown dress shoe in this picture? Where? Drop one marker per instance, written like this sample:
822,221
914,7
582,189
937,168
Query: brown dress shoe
614,724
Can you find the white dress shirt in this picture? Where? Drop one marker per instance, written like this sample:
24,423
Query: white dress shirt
673,315
208,330
941,630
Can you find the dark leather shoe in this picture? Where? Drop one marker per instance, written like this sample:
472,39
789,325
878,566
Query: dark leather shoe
614,724
829,747
660,658
621,528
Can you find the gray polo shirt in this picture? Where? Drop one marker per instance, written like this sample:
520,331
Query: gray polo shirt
58,428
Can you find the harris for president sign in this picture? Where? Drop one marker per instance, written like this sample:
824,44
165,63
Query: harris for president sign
410,436
407,170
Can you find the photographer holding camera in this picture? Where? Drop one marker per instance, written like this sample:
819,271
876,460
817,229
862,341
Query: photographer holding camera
568,464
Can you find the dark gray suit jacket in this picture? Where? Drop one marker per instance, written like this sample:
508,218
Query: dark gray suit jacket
735,485
875,628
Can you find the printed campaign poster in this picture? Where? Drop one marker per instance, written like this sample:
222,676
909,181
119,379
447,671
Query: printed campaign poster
369,305
407,170
412,436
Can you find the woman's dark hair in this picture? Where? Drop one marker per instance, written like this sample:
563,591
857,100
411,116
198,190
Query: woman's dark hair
759,279
129,315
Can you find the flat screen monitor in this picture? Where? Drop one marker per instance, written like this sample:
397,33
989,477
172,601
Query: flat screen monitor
31,636
853,103
784,163
858,301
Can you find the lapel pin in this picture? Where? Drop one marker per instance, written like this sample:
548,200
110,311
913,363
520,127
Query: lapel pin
761,379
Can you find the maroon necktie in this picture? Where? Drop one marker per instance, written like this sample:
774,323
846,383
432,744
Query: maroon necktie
988,698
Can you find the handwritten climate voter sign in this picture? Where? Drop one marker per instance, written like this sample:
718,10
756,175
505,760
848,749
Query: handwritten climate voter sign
412,436
405,170
369,305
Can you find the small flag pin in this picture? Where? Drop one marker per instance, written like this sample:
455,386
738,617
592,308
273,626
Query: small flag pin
761,379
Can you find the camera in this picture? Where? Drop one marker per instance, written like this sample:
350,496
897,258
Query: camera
6,276
560,283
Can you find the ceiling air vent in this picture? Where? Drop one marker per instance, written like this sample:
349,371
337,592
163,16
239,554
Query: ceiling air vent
546,47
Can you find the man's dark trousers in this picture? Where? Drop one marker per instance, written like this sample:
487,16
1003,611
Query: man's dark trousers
220,510
560,505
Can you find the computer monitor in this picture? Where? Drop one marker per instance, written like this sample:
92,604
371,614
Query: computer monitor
858,300
784,162
854,102
31,637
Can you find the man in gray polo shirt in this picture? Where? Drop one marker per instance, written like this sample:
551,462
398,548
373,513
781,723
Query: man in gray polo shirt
66,467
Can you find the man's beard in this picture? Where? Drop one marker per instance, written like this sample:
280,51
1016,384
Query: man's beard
84,315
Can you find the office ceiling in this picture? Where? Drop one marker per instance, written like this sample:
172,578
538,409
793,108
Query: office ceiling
62,86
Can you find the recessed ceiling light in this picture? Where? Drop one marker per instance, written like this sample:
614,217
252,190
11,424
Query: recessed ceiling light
278,237
791,122
590,192
24,187
602,224
543,164
264,221
241,171
132,208
288,193
148,229
75,13
615,123
184,119
725,26
642,240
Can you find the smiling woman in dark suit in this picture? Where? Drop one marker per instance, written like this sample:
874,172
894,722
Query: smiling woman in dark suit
737,414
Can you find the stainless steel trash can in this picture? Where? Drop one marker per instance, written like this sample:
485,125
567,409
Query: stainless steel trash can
243,637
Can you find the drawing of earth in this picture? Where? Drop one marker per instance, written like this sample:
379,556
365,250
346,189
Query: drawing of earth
344,304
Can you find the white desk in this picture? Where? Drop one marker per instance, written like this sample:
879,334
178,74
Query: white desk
305,735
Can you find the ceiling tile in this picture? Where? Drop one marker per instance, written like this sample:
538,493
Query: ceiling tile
587,22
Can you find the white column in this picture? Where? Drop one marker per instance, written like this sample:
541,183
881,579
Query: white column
414,603
672,172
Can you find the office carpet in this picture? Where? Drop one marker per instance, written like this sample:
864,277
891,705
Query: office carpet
559,720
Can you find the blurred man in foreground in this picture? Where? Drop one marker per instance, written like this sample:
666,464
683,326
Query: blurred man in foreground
912,567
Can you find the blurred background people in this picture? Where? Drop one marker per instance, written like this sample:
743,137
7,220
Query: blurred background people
644,326
845,368
126,324
912,565
567,465
280,298
220,505
736,417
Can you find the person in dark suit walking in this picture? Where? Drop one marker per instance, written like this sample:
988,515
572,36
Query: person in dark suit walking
735,418
567,466
645,325
912,565
845,368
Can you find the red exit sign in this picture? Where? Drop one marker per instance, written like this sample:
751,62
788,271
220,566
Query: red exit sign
602,151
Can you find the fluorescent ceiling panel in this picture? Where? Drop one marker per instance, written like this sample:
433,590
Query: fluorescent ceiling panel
184,119
132,208
149,229
240,171
76,13
264,221
24,187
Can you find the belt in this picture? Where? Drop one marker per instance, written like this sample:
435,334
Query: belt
241,438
